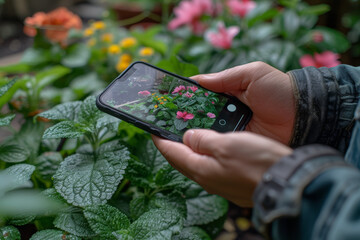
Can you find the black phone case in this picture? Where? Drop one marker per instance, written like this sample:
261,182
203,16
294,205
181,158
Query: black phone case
153,129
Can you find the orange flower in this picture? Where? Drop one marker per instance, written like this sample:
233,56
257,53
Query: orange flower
36,20
156,106
56,23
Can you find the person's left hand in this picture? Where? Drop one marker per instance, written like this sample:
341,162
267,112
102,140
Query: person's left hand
230,165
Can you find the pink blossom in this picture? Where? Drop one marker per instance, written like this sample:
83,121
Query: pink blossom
178,89
325,59
189,13
317,37
189,95
223,38
210,115
193,88
184,115
206,94
241,7
144,93
212,102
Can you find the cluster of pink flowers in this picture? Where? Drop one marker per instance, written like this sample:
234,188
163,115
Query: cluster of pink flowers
190,12
210,115
325,59
181,88
144,93
184,115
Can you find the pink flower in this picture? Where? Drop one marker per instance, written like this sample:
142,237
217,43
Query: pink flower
189,95
223,38
325,59
212,102
184,115
189,13
178,89
317,37
193,88
241,7
144,93
206,94
210,115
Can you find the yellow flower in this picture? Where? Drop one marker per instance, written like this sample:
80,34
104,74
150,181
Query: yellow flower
98,25
107,37
126,58
165,100
158,99
146,51
153,94
114,49
88,32
121,66
156,106
128,42
91,42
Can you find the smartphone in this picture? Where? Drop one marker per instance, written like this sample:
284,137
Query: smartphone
166,104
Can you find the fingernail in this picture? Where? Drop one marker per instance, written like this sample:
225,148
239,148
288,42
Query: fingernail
187,137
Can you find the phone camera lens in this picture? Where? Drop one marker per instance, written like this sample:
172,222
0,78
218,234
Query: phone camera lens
231,108
222,122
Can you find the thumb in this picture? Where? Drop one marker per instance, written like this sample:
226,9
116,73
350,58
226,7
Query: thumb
202,141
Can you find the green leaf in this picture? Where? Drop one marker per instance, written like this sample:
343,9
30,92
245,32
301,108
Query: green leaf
156,224
65,129
150,155
9,233
78,55
85,180
169,178
205,209
180,124
148,39
87,83
74,223
22,172
334,40
48,76
104,219
176,66
47,164
16,68
6,87
192,233
89,114
5,121
35,56
315,10
12,153
21,219
138,206
65,111
51,234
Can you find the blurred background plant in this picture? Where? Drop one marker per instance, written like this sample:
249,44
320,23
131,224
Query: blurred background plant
76,48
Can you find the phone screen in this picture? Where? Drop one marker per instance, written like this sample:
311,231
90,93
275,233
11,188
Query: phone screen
171,103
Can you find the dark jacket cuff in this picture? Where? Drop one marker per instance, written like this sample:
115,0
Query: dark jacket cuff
279,194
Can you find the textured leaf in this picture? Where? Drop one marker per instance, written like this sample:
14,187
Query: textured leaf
139,174
53,235
156,224
151,156
65,111
104,219
83,180
205,209
89,113
74,223
168,178
192,233
5,121
12,153
47,164
22,172
108,121
138,206
6,87
19,220
9,233
65,129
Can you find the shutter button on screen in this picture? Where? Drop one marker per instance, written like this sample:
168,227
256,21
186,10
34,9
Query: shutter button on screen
231,108
222,122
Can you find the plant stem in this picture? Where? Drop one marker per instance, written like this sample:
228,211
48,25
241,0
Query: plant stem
120,188
35,182
2,165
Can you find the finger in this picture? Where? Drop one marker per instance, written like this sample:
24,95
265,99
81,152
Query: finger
183,158
203,141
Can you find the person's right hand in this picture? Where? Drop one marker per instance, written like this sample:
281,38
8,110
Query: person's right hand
267,91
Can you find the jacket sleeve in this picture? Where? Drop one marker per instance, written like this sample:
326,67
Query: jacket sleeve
326,101
320,196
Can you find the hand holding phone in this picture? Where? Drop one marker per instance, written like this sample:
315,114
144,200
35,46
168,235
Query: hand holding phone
166,104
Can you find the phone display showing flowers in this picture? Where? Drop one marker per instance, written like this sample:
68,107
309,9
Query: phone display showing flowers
169,102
